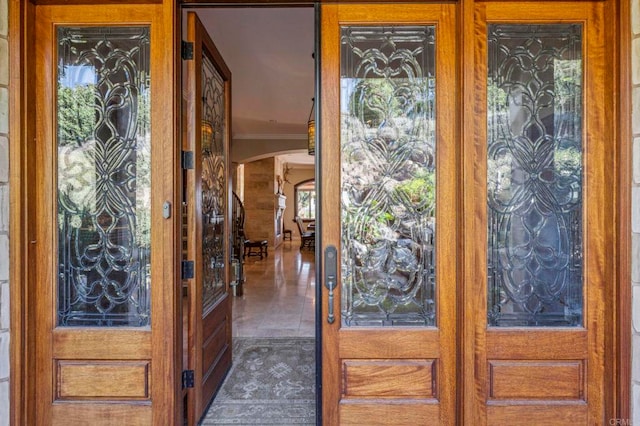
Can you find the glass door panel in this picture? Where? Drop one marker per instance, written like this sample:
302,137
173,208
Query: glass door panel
388,153
104,176
534,174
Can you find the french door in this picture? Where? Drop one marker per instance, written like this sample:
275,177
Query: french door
465,226
208,95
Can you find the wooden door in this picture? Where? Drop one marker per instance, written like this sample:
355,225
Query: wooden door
208,91
388,157
472,277
540,152
104,260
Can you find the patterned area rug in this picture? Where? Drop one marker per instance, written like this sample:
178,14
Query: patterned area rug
271,382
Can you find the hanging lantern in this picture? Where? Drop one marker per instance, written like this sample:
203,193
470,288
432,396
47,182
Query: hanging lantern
311,130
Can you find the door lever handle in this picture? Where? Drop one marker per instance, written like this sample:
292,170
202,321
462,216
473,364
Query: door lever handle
330,277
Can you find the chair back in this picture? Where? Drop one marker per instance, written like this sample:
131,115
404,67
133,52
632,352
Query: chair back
300,225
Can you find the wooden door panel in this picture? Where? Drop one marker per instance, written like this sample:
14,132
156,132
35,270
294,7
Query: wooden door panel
379,374
96,364
552,374
208,95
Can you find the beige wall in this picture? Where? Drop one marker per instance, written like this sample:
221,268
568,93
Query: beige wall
259,199
635,217
296,175
4,216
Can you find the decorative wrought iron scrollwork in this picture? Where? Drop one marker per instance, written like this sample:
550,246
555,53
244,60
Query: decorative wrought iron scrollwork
535,175
213,184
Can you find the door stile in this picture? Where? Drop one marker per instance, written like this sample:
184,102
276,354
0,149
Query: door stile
471,220
167,336
330,231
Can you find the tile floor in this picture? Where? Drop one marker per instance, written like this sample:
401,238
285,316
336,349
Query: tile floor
278,297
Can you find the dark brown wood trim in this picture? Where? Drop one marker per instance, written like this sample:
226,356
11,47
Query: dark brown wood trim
21,125
623,204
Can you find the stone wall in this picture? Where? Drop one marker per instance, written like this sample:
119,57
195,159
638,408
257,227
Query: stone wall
259,195
4,215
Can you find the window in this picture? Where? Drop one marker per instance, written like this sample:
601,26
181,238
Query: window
305,193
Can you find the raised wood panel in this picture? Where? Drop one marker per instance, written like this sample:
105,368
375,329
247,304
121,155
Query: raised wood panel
381,412
520,343
216,342
537,415
391,343
395,379
536,380
86,380
66,413
84,343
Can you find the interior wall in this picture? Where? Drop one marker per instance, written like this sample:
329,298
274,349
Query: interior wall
635,219
259,199
295,176
4,215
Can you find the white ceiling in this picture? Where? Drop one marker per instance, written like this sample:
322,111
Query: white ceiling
268,51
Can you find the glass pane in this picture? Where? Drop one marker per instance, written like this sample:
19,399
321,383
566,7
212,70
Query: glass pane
213,185
388,175
535,175
104,176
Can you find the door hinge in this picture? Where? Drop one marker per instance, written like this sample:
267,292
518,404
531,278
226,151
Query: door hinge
187,160
187,50
187,269
188,379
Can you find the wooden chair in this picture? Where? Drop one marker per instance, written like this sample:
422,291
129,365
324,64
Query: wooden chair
307,238
250,245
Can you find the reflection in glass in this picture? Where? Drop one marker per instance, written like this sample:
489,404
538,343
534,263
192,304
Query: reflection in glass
104,176
388,175
535,175
213,188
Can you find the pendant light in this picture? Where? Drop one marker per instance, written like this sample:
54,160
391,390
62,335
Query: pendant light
311,129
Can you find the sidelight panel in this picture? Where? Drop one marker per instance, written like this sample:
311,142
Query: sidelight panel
535,175
388,150
103,176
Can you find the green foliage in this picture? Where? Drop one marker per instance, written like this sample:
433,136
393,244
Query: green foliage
76,114
421,191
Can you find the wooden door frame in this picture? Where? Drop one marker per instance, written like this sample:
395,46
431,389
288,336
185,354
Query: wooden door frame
21,142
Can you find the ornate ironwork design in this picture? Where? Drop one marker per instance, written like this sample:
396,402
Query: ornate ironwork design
104,176
535,175
388,175
213,185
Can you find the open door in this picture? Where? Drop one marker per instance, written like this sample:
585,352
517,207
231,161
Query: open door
208,93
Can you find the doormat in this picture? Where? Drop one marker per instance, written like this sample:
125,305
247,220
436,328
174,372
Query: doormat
271,382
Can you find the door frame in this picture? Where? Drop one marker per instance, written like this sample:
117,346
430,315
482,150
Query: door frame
22,233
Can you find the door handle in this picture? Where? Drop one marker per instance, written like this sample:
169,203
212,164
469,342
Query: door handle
330,277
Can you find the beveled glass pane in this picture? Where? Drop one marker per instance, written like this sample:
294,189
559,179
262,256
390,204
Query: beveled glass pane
388,175
104,176
534,175
213,185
